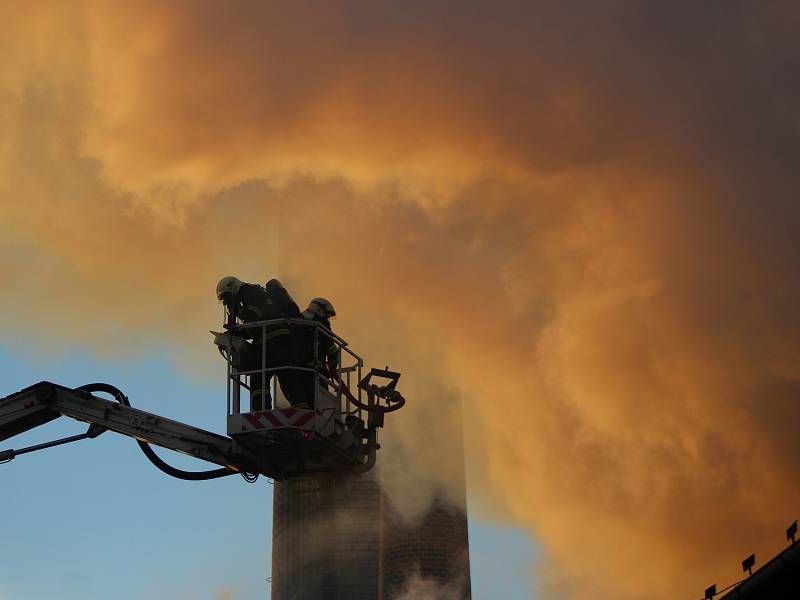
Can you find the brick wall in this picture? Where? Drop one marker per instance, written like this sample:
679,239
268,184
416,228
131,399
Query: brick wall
340,538
427,553
325,539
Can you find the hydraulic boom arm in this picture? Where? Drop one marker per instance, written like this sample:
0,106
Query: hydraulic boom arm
44,402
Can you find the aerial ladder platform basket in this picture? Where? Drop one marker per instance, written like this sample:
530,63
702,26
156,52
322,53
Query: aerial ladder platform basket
335,430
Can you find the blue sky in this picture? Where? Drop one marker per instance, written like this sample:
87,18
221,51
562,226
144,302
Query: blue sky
95,516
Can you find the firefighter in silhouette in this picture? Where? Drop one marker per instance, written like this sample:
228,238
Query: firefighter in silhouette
326,359
250,303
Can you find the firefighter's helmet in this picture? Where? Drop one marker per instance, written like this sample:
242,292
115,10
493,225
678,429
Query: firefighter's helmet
228,285
320,307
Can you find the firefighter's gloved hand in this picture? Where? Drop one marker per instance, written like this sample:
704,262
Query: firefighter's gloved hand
389,394
237,331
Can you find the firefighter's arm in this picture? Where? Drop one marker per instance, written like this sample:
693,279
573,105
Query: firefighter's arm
232,306
332,362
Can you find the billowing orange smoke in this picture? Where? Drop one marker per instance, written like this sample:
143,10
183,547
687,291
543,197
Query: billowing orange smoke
578,222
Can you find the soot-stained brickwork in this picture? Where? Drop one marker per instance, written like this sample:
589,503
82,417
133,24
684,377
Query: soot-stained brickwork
326,539
429,553
341,538
344,538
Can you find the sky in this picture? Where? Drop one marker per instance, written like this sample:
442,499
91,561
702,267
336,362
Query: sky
576,221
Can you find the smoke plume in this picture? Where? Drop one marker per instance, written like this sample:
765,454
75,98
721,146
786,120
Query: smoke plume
577,220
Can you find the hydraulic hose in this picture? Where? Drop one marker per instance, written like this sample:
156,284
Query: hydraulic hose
385,393
148,451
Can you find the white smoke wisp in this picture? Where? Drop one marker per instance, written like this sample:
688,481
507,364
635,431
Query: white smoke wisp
421,588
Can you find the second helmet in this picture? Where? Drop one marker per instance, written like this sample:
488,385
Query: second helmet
322,308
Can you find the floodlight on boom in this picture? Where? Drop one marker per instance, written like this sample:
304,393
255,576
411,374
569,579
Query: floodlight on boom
748,564
791,532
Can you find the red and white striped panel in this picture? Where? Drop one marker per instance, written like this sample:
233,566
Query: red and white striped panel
272,419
